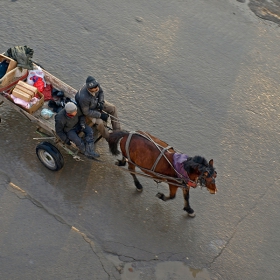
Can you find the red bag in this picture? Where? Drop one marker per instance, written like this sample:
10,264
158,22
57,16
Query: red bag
38,83
47,92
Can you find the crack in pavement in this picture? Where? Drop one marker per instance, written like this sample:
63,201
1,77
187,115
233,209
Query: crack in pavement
128,246
21,194
157,257
236,227
91,244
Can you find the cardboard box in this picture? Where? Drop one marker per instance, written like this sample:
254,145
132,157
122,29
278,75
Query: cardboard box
24,91
21,94
10,79
12,63
36,106
26,88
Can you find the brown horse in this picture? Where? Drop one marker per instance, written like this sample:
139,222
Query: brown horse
160,161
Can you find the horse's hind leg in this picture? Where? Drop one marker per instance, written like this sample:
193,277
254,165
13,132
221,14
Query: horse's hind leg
172,193
187,207
121,162
137,184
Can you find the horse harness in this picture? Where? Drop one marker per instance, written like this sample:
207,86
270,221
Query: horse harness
181,182
148,138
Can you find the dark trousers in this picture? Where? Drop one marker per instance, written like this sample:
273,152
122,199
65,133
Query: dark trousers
74,137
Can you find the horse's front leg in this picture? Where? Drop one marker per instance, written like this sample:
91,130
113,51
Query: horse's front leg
187,208
172,193
131,167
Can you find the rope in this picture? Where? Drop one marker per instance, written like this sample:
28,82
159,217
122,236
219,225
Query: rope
157,145
147,136
159,157
178,182
127,145
115,119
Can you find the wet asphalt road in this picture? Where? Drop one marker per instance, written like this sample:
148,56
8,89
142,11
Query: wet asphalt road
201,75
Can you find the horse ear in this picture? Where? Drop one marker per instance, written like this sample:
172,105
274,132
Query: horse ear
211,162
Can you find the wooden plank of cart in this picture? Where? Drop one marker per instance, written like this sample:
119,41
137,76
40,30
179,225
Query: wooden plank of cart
47,152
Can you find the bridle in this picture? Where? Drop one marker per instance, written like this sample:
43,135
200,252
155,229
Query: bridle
211,173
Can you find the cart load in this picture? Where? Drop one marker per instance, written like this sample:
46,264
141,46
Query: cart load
37,94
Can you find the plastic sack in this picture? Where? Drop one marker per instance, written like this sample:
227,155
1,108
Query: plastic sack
35,73
23,103
46,114
38,83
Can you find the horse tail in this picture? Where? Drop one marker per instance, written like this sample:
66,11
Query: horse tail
114,139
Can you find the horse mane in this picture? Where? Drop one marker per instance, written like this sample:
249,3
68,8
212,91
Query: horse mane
196,162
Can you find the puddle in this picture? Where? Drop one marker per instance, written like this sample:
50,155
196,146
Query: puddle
168,270
178,271
129,273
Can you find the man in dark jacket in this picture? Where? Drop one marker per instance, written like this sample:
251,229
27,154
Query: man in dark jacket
90,99
69,122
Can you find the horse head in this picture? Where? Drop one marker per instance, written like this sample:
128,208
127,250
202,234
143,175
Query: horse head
200,170
207,178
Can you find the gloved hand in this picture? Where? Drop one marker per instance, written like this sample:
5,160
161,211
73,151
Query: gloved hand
67,142
100,106
104,117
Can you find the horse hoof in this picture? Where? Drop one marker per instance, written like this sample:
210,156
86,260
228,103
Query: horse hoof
160,196
189,211
120,162
192,215
138,186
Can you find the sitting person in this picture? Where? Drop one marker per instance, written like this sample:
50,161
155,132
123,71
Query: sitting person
69,122
90,99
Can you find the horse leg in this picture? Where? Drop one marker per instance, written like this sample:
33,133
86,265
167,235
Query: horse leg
172,193
187,207
137,184
121,162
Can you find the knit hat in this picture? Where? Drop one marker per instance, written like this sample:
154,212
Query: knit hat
91,82
70,107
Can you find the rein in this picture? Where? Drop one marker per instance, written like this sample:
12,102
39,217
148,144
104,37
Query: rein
166,179
177,182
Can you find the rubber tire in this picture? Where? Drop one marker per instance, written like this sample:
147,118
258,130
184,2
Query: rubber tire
49,156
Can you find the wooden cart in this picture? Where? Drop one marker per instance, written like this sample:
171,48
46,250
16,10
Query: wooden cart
47,152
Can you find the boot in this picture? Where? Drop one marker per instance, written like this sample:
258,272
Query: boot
115,124
90,153
82,147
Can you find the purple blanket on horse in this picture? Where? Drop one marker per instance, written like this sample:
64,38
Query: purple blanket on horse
178,160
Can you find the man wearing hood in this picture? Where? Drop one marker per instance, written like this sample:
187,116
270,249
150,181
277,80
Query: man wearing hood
90,99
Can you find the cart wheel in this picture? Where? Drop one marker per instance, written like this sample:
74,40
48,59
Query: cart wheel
50,156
